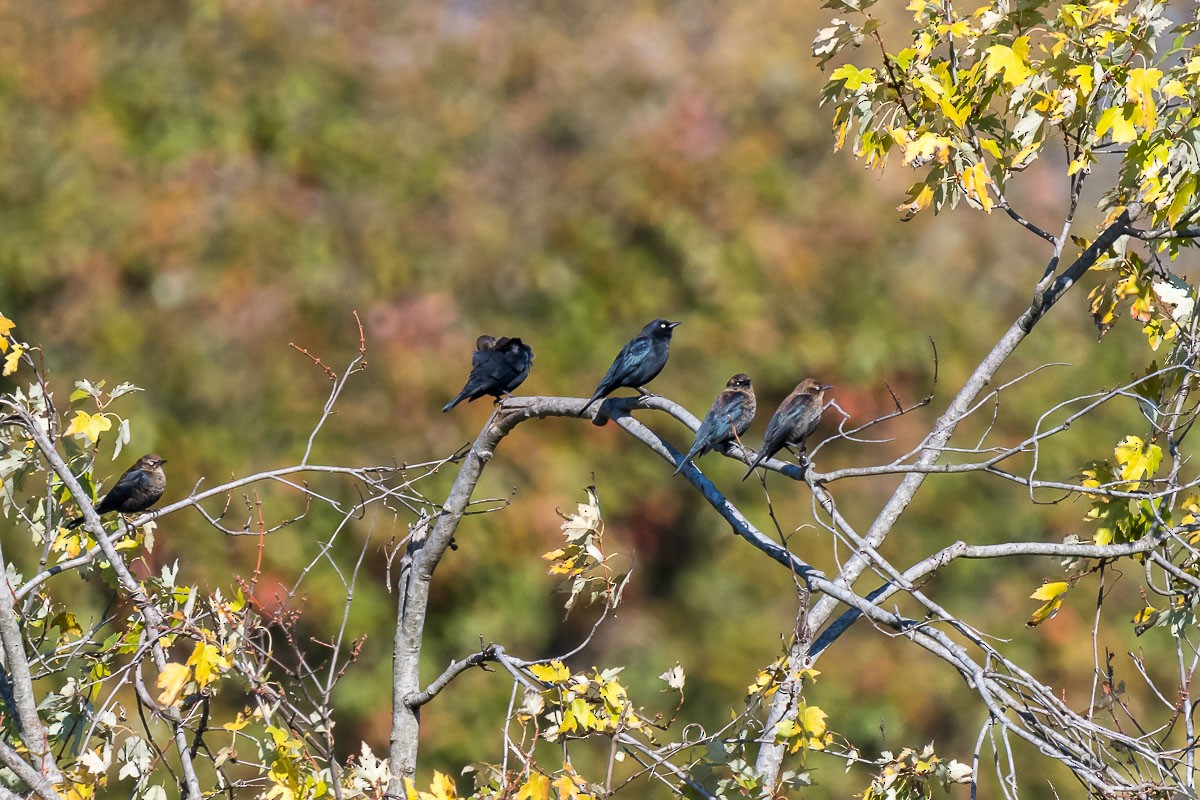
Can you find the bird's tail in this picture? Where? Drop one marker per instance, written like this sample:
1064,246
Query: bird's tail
75,523
754,465
590,403
683,461
458,399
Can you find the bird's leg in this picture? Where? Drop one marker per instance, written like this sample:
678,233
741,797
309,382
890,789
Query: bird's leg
644,392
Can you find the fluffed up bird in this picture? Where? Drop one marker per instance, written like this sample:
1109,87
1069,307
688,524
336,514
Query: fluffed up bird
136,490
498,366
639,361
729,417
794,420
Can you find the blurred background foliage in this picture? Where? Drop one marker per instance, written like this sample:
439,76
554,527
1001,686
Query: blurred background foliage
185,188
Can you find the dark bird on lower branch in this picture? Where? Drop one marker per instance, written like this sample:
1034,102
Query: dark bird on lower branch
794,420
136,490
498,366
729,417
639,361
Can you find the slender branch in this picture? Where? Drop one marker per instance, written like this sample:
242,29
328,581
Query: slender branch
39,782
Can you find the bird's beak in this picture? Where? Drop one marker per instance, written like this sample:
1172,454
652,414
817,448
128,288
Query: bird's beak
162,461
674,324
827,386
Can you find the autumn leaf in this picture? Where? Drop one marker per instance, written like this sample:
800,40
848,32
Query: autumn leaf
88,425
171,681
554,672
975,183
1012,61
208,663
1114,122
6,325
12,359
1140,89
1138,460
1052,594
536,788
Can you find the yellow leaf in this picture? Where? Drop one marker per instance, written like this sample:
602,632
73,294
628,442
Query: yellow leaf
1045,612
239,723
1138,460
536,788
566,788
1083,76
171,680
1049,591
813,720
6,325
955,114
208,663
1140,89
975,182
12,359
442,787
554,672
1009,60
920,201
1121,128
89,425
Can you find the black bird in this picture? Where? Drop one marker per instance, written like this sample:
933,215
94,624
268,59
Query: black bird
639,361
136,490
729,417
794,420
498,366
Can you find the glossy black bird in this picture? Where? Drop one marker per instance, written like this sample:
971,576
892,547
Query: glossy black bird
639,361
730,416
136,490
498,366
794,420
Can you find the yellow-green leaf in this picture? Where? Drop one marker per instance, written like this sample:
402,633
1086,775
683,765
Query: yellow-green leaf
854,77
1138,460
1012,61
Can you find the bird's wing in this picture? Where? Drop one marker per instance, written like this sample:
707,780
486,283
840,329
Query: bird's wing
634,351
125,487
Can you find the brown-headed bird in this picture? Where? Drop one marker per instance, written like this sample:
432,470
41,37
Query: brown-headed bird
639,361
729,417
498,366
136,490
794,420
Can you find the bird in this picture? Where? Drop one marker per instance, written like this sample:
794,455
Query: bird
729,417
639,361
794,420
498,366
136,490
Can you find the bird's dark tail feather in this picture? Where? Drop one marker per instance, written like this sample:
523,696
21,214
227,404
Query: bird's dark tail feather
753,466
683,462
75,523
454,402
